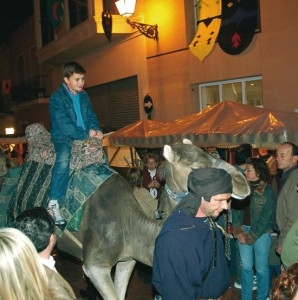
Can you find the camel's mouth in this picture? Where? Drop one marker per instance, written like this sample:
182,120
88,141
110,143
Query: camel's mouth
240,197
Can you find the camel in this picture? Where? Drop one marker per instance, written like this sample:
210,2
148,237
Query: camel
114,230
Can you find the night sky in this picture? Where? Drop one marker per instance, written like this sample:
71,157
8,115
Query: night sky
12,14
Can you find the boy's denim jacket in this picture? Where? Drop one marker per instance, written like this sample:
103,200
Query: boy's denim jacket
64,119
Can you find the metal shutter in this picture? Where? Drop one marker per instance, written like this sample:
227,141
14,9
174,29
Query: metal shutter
116,103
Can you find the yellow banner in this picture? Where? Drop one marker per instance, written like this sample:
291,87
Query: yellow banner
209,21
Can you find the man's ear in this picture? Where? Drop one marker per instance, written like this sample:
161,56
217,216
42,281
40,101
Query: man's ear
53,239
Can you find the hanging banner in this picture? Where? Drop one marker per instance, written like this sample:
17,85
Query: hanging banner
238,26
55,10
107,22
209,21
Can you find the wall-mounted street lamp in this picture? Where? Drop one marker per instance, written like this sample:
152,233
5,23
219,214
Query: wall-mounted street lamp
126,9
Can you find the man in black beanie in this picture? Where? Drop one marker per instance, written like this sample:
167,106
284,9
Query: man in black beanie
189,256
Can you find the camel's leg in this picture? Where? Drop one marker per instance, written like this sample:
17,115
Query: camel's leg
122,275
102,281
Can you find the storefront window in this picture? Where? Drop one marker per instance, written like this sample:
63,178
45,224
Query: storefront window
244,90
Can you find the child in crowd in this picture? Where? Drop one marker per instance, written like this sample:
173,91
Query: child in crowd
151,180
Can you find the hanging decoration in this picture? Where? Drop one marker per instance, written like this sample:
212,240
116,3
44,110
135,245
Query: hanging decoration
209,20
55,10
107,23
6,86
238,26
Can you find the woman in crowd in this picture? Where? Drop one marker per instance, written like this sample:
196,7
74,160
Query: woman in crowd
252,226
22,277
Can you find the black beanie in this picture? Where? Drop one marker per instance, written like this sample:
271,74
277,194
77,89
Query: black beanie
205,182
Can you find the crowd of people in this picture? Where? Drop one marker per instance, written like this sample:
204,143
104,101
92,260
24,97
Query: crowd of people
189,252
263,220
265,228
262,223
189,257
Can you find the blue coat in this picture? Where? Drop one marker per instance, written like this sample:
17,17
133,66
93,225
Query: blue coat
183,256
64,119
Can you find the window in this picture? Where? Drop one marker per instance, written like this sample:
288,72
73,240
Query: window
78,12
245,90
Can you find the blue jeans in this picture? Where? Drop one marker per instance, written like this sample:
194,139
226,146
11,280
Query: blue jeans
60,172
257,253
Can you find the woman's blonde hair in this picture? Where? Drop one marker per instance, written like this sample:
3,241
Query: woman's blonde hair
22,276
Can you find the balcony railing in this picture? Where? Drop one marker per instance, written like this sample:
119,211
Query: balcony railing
29,90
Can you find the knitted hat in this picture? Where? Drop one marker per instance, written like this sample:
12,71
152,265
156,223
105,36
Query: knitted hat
205,182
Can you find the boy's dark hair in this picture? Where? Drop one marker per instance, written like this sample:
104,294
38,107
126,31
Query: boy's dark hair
72,67
38,225
242,153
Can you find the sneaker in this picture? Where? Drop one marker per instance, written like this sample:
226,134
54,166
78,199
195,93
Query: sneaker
157,297
254,287
237,285
54,211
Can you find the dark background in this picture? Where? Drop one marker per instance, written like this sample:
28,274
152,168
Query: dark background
12,14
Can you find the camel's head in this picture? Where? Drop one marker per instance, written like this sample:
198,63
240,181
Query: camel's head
181,158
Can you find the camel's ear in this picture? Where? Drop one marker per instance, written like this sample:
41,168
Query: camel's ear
168,153
187,141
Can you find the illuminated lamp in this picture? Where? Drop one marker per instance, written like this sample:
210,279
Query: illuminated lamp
126,9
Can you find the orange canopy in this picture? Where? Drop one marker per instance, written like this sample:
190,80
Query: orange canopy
223,125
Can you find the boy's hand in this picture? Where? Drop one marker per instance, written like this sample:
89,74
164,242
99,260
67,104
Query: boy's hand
99,134
95,134
92,133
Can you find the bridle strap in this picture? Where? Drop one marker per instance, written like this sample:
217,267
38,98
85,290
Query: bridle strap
177,197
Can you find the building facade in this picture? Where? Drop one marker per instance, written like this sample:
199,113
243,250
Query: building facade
122,71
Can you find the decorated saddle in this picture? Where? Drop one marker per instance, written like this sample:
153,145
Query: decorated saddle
88,170
41,149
